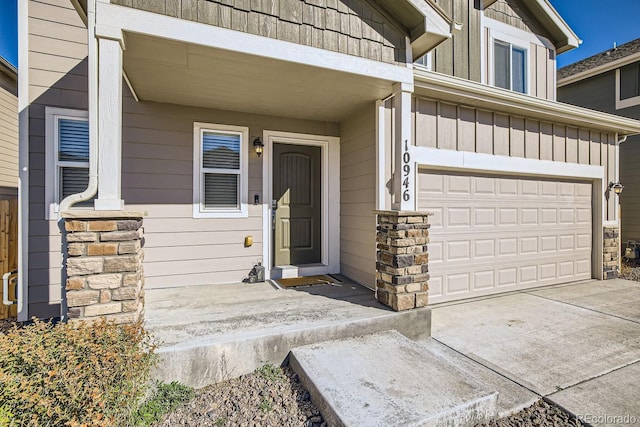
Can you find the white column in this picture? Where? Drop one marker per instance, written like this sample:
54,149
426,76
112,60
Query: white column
404,180
109,125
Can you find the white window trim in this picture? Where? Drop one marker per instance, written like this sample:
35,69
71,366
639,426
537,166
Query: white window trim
52,179
428,62
624,103
198,186
516,37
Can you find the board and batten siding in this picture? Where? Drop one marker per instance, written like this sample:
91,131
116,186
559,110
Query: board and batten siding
460,55
598,93
630,198
8,139
354,27
58,78
511,13
358,197
464,128
157,176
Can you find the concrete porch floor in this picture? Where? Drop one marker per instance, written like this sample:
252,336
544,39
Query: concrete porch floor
208,333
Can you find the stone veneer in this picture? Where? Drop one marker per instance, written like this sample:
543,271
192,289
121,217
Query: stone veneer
402,267
611,253
104,265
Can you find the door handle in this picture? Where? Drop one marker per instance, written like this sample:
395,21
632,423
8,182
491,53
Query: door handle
5,288
274,208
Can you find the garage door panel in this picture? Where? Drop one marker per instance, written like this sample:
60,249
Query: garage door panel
495,234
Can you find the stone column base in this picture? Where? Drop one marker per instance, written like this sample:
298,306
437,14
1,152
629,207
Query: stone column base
104,265
611,253
402,267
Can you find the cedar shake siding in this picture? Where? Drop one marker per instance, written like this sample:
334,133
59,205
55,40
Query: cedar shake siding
354,27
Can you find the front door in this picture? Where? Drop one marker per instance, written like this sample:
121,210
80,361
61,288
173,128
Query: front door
297,194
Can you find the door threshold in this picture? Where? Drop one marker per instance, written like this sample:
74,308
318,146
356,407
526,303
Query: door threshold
293,271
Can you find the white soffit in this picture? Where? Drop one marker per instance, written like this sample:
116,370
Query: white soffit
174,72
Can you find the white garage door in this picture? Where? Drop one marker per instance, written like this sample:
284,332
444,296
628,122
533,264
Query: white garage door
493,234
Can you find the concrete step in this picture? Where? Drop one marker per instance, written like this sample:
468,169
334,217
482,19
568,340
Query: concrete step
208,334
385,379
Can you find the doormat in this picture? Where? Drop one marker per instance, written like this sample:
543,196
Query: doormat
306,281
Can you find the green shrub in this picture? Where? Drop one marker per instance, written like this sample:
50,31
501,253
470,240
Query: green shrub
165,399
74,374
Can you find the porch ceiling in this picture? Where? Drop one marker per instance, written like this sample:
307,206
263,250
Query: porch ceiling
180,73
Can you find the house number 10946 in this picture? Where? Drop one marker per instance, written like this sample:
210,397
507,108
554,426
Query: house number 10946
406,168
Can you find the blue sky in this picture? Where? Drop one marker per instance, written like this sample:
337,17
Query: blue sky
599,24
9,30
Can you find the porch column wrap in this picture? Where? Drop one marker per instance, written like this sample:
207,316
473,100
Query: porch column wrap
103,260
405,168
109,125
402,267
611,253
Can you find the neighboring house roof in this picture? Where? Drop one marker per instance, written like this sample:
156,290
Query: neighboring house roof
599,63
8,76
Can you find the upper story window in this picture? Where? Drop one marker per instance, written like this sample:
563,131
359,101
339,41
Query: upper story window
67,156
220,171
509,66
628,86
517,60
425,60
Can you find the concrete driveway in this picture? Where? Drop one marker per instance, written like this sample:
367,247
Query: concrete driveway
576,344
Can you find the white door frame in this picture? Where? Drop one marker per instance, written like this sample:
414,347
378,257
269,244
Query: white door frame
330,175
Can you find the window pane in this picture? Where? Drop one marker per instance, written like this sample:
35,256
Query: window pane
72,181
518,70
502,65
73,140
221,190
220,150
629,76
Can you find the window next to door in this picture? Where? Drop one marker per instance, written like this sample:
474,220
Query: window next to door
220,179
67,156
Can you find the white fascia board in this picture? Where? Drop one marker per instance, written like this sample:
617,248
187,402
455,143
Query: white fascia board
433,30
111,18
599,69
572,40
440,86
480,162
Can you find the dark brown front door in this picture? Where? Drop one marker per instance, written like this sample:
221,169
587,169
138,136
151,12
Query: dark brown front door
298,195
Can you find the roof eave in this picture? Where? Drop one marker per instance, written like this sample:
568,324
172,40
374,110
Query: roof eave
7,68
428,24
457,90
564,39
81,7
